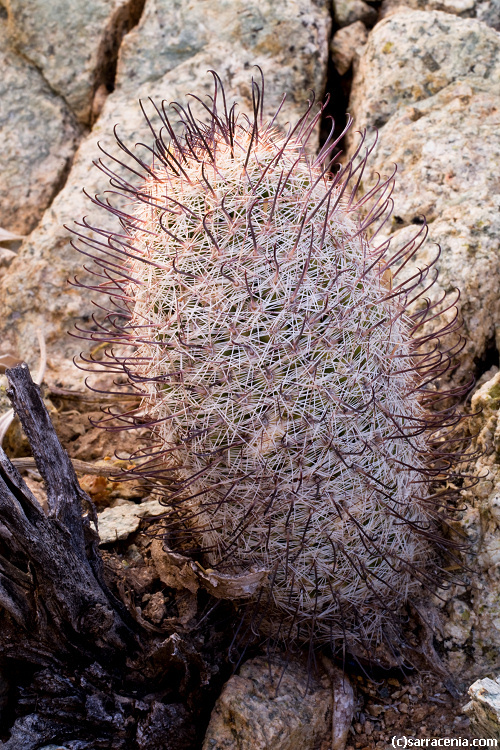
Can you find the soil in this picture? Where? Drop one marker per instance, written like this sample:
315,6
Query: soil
417,706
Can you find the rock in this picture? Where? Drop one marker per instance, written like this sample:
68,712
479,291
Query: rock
471,633
483,523
73,44
487,11
6,257
347,12
253,713
484,708
167,55
288,39
39,138
122,520
343,705
166,727
347,45
155,610
431,82
413,55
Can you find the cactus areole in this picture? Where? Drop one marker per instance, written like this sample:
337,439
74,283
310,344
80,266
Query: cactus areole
288,367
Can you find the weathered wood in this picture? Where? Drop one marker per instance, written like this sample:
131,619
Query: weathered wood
50,564
100,679
64,495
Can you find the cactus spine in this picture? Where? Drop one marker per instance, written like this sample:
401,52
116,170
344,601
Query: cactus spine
286,380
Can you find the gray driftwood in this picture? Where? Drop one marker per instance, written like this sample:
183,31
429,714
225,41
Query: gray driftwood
50,571
83,671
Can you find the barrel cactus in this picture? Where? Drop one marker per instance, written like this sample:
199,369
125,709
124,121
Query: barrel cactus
288,384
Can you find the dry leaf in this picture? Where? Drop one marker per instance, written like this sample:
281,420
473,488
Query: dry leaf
180,572
174,570
226,586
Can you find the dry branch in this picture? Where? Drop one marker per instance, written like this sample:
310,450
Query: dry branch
93,677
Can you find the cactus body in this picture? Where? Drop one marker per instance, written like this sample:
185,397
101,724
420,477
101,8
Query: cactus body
283,374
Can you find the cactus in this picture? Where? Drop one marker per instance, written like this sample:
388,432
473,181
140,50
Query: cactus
287,375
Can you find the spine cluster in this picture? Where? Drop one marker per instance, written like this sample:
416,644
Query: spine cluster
286,368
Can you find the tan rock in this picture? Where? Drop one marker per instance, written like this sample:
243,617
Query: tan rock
471,623
484,708
413,55
39,138
347,45
457,7
487,11
287,38
72,43
167,55
251,714
121,521
431,83
347,12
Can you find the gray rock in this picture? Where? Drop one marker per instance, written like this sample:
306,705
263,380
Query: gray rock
487,11
29,733
484,708
39,138
288,39
347,12
120,521
72,42
347,45
168,726
431,83
413,55
472,626
251,714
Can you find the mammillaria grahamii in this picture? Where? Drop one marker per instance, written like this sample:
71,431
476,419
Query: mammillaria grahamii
287,365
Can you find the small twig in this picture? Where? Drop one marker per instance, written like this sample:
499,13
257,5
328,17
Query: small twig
81,467
53,390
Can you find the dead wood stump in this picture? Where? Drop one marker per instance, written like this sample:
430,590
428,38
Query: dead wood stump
84,672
